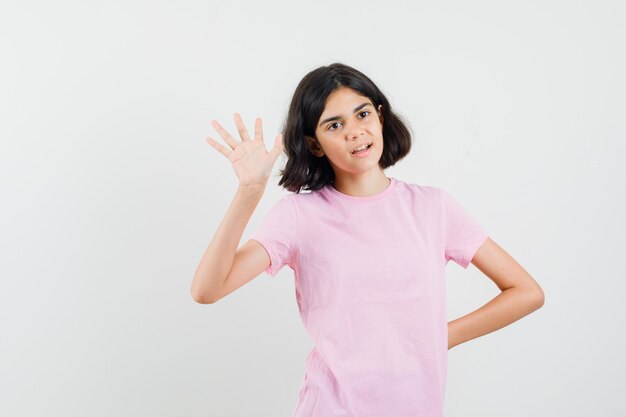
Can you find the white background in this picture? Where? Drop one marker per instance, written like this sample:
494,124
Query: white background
109,194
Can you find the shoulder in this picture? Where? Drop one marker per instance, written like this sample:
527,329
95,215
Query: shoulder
423,192
293,203
305,199
282,208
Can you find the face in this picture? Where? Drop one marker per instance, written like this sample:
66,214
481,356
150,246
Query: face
348,121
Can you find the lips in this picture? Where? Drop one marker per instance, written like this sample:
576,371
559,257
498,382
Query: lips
357,147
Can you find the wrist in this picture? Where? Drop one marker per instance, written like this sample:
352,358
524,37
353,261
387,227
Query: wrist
253,189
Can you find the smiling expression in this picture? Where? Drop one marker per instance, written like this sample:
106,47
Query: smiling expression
348,121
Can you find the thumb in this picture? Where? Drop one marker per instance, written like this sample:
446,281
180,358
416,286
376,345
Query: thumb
278,146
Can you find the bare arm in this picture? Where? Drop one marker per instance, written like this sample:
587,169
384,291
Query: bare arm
520,296
217,260
253,166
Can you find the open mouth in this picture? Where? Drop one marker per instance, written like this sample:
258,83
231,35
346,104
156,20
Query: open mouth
361,149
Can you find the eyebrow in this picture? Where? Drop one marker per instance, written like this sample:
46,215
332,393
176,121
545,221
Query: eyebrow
356,109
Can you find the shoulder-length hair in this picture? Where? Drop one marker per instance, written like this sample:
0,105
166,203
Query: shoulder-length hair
304,170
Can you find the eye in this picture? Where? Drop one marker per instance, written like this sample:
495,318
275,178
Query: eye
364,111
331,125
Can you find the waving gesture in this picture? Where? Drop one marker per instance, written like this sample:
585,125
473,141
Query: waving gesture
251,161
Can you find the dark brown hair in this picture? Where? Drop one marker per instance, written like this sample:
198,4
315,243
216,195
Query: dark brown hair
304,170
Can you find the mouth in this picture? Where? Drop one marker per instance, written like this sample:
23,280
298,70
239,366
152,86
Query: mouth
361,149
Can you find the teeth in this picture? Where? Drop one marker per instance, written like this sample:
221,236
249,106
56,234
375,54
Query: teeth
360,148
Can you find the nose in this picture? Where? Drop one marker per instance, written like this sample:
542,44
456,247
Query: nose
353,130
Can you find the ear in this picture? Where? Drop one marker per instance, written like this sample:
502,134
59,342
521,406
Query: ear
313,146
380,113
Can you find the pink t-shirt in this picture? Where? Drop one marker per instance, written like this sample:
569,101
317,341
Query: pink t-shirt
369,282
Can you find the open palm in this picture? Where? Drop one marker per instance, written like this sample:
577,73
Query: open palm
251,161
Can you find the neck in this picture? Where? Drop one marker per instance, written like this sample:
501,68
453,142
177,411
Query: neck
364,185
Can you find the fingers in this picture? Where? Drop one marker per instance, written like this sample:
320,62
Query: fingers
224,134
232,142
240,127
278,146
221,148
258,129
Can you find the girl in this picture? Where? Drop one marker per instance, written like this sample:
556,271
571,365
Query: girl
368,252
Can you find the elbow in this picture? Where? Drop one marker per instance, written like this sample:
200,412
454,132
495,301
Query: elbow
538,298
531,297
533,294
201,297
202,300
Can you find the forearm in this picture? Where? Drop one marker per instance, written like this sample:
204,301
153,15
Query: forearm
220,253
507,307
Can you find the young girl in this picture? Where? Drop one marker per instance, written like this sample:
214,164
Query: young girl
368,252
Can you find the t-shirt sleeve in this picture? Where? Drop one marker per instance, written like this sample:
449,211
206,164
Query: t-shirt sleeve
463,235
277,234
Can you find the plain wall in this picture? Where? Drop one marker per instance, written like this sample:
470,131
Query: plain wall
109,194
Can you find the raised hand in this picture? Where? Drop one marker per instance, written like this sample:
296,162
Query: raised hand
251,161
